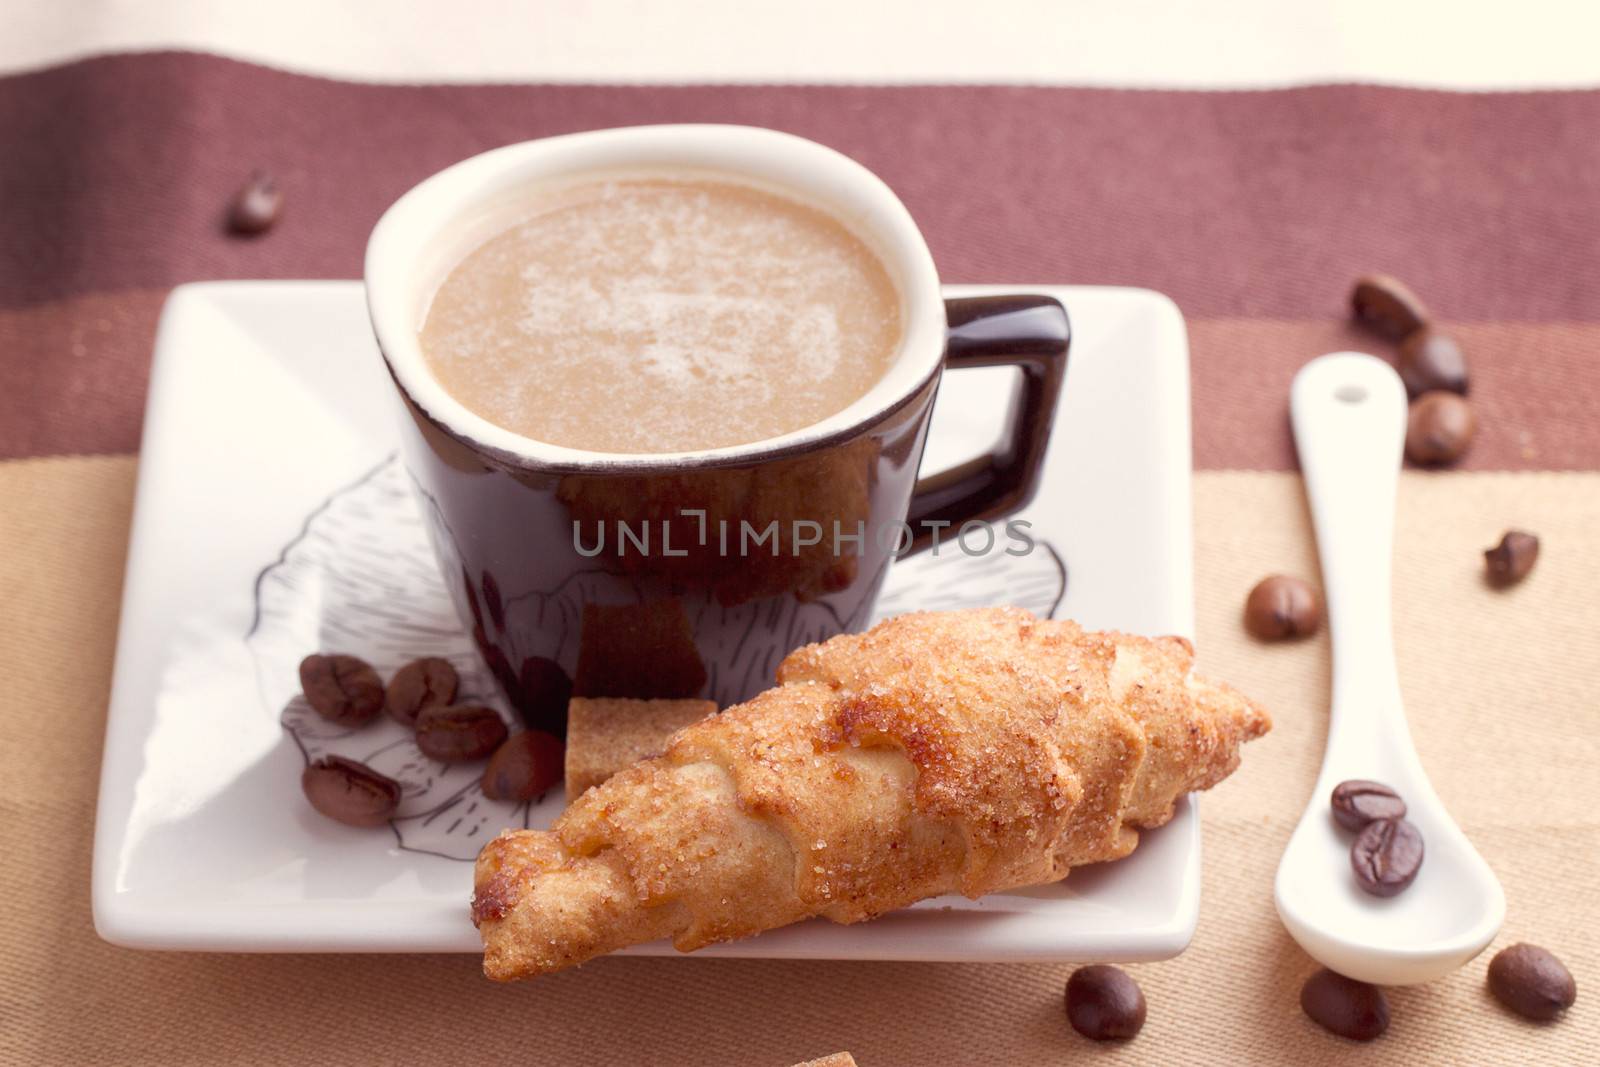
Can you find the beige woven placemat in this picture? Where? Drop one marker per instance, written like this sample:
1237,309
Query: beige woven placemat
1498,689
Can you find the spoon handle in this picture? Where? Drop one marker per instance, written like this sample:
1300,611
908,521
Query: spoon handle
1349,416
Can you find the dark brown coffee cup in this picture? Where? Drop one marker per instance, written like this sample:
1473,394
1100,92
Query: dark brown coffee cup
693,574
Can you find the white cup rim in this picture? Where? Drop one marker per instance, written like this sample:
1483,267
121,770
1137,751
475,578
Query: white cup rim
409,235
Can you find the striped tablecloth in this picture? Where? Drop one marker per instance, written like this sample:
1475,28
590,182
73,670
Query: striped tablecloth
1253,208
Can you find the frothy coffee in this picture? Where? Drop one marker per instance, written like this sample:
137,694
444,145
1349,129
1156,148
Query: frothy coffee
663,314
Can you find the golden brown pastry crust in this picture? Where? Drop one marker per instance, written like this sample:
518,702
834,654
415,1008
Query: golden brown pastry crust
968,751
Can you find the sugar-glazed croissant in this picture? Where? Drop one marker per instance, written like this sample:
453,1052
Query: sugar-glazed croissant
967,751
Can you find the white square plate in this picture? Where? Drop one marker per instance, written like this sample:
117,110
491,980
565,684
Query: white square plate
269,498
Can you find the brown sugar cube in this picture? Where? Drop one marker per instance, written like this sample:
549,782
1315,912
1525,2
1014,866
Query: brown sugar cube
838,1059
645,651
606,734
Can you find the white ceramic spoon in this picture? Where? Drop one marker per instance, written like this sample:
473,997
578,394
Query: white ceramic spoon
1349,415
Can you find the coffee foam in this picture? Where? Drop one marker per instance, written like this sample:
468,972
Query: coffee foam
656,314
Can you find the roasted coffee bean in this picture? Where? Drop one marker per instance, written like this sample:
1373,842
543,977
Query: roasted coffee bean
1387,856
1358,802
341,688
1345,1006
1280,607
1387,306
1104,1003
1510,561
1531,982
350,792
1439,429
422,683
460,733
525,767
256,207
1432,360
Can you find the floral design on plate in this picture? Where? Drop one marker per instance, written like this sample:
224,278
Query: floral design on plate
361,578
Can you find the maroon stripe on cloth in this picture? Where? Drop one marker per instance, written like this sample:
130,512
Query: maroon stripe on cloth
116,169
1534,390
1254,210
76,370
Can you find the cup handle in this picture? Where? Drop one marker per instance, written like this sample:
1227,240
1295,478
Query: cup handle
1029,331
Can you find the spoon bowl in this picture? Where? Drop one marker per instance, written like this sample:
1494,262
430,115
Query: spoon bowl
1444,919
1349,415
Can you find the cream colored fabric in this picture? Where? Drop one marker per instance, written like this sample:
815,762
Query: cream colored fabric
1135,44
1500,689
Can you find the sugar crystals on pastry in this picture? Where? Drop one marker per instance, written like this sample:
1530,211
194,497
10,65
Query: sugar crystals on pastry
969,752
